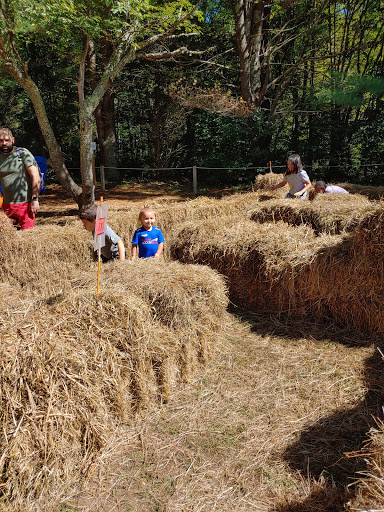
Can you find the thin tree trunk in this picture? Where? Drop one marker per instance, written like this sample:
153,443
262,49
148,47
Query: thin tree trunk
156,118
105,113
56,159
249,23
85,132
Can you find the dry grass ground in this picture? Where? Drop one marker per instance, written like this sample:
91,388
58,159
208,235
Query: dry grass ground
266,427
273,422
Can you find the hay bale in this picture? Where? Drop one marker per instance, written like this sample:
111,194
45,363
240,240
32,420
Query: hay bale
201,208
327,213
250,255
170,216
263,181
44,258
74,374
74,368
285,269
124,222
370,483
371,192
69,380
190,300
6,226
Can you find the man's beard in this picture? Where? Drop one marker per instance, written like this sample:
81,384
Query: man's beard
6,149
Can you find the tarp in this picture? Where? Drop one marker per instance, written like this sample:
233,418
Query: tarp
43,167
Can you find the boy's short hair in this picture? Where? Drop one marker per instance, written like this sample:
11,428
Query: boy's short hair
146,209
88,212
320,184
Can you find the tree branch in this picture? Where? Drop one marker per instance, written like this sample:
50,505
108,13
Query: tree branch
169,54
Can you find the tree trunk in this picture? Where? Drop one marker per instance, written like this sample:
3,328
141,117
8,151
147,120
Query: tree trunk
106,134
249,21
156,118
105,113
56,159
86,155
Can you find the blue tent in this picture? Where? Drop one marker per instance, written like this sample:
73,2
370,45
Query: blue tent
43,167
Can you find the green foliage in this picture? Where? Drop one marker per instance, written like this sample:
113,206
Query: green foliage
325,66
351,90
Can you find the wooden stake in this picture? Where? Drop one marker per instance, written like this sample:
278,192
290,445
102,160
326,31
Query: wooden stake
99,260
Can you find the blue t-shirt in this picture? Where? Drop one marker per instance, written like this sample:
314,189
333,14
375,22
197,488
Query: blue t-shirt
148,241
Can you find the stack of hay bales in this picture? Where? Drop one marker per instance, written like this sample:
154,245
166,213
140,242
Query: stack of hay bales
370,488
46,257
75,368
287,269
264,181
173,216
371,192
124,221
252,256
327,213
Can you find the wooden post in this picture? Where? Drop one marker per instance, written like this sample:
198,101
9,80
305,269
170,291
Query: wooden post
93,163
99,260
194,172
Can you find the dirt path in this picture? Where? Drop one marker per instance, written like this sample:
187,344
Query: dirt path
57,203
265,427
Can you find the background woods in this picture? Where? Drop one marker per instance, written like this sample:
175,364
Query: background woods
219,83
243,370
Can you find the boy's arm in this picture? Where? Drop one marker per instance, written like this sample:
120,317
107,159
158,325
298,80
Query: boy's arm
159,250
120,246
134,252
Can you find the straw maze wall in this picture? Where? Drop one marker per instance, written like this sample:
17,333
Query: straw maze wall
74,368
290,257
322,258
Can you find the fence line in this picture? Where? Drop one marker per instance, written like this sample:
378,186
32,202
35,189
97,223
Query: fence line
194,169
260,168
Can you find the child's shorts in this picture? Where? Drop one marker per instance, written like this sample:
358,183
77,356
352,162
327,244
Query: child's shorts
20,214
292,196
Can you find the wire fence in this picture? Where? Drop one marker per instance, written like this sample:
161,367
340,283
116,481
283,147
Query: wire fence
200,177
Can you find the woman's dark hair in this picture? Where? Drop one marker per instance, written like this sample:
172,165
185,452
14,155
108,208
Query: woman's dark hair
295,160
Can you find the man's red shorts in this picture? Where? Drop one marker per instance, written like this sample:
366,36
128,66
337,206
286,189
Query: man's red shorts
20,214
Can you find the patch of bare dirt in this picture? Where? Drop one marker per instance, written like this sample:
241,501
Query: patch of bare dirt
57,204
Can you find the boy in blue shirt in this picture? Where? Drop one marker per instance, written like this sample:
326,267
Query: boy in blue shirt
149,239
